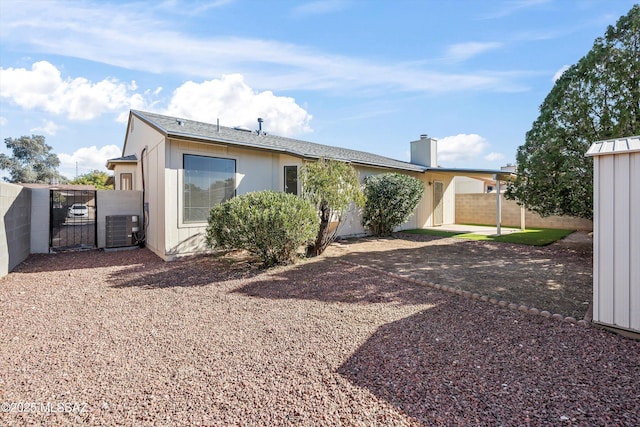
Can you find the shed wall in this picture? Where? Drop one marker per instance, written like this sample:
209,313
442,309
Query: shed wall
616,288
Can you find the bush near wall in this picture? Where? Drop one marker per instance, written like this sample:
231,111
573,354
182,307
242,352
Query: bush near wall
390,201
269,224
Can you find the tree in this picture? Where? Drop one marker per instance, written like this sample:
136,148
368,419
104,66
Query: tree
96,178
391,199
32,161
331,186
268,224
596,99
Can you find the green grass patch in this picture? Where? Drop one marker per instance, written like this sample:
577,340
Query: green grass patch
530,236
437,233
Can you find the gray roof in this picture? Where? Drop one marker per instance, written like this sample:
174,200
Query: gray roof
614,146
190,129
132,158
129,158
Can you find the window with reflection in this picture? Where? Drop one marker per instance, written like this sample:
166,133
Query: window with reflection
291,179
208,181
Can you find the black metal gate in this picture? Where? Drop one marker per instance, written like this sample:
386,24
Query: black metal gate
72,223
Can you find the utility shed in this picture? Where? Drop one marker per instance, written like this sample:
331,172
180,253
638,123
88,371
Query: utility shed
616,222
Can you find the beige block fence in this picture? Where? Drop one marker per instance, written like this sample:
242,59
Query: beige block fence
482,209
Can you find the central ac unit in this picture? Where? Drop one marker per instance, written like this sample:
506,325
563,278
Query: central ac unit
120,230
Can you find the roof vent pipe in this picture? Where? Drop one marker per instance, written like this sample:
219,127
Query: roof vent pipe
260,121
218,125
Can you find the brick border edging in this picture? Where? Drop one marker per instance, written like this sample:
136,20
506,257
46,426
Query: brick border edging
475,296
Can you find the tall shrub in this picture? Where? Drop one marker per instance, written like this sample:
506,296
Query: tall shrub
268,224
331,186
391,198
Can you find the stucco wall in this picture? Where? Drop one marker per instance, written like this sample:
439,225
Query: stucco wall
15,226
40,217
481,209
141,136
255,171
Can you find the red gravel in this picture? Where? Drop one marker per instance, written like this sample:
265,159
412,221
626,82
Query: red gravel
132,340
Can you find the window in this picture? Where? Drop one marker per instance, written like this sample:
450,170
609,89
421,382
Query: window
126,181
291,179
208,181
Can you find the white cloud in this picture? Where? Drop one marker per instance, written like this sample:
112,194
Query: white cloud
464,51
460,148
559,73
43,87
190,7
236,104
494,157
514,6
48,127
87,159
79,30
319,7
3,121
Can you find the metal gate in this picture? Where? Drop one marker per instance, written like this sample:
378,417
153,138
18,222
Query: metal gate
72,220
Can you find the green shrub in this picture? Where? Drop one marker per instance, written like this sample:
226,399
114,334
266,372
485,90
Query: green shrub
331,185
390,200
269,224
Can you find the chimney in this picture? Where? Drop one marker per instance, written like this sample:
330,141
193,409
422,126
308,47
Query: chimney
509,168
424,152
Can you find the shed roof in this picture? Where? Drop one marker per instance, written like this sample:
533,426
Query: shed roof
614,146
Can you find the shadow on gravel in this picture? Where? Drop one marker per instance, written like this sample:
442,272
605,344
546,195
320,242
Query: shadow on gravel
457,364
330,281
189,272
557,280
95,258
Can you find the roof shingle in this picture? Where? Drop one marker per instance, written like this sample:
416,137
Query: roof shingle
177,127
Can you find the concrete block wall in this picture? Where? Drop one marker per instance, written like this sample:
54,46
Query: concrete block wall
482,209
15,226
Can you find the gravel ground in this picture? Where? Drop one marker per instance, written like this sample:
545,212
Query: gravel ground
123,338
556,278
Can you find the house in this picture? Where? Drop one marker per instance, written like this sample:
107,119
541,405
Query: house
184,167
479,185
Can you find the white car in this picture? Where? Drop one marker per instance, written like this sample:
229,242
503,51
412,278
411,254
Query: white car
78,210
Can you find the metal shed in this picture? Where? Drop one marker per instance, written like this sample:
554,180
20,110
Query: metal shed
616,221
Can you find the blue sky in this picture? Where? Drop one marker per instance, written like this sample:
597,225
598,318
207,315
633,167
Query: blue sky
369,75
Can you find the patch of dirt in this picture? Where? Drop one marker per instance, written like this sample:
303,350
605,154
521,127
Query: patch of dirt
556,278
